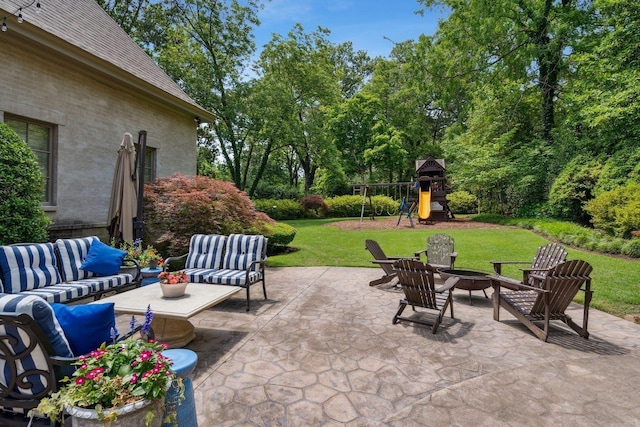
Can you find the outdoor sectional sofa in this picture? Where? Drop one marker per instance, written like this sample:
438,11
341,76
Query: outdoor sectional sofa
235,260
53,271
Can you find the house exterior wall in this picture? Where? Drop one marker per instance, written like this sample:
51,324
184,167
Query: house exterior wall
91,116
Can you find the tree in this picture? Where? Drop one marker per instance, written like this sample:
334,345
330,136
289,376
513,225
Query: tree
300,70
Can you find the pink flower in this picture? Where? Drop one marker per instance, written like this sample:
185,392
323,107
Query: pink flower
80,380
134,379
145,355
147,374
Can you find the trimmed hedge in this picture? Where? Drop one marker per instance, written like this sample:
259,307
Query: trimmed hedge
280,209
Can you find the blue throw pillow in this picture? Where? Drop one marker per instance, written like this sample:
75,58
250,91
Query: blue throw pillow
86,326
102,259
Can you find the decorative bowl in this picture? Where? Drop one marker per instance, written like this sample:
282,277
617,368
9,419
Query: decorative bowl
173,290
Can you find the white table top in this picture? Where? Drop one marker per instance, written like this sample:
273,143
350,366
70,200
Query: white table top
197,297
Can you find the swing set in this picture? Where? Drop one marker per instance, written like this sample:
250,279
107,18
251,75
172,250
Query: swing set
400,192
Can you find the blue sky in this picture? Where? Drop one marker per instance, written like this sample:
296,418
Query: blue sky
365,23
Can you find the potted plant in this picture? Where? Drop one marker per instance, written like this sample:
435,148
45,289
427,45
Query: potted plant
173,284
146,257
124,383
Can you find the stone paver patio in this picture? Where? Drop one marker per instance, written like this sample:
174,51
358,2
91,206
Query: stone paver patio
322,351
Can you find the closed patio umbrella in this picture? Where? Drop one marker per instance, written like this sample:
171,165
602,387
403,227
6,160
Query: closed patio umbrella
124,199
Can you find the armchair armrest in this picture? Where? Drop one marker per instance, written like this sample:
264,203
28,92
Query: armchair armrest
130,262
418,253
171,259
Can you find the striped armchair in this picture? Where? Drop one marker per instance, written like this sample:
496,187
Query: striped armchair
235,260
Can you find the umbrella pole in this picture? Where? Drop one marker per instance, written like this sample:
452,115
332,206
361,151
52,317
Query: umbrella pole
138,225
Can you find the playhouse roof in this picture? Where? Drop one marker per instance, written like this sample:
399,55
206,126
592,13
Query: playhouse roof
430,165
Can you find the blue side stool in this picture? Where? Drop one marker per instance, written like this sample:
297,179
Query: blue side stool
149,275
184,362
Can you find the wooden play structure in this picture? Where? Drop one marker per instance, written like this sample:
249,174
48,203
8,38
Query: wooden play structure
432,196
430,187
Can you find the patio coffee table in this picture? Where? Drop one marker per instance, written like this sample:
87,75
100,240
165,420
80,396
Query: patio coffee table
170,322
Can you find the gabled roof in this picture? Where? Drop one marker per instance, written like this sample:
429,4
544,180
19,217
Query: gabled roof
80,27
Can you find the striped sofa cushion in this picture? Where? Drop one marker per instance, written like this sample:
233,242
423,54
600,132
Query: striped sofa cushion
71,253
198,275
205,251
242,250
61,292
43,314
232,277
105,283
26,267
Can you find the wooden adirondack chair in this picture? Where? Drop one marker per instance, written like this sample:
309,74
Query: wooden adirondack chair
418,284
546,257
440,252
385,262
548,299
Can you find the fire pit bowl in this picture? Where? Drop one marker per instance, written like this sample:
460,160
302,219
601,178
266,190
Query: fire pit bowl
469,280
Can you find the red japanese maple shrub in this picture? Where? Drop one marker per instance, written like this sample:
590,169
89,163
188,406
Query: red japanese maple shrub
180,206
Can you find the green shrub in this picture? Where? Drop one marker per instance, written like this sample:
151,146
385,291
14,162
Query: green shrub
462,202
617,211
632,248
279,234
280,209
179,206
345,206
21,183
572,188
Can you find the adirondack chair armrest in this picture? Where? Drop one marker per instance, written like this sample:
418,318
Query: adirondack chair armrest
497,265
448,285
418,253
497,281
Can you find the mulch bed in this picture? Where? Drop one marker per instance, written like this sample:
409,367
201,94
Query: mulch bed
389,223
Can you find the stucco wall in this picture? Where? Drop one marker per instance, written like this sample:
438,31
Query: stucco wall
91,116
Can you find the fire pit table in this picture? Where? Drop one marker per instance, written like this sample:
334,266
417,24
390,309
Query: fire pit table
469,280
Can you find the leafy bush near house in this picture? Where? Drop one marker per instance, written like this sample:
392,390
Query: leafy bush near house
21,184
314,205
462,202
180,206
280,209
279,235
617,211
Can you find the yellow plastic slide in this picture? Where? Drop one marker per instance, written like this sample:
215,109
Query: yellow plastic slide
424,204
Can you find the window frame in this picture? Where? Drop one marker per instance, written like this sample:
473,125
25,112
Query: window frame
50,193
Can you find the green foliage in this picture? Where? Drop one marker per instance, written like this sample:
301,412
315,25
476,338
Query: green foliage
345,206
632,248
617,211
573,187
280,209
279,235
620,167
267,191
462,202
21,182
179,206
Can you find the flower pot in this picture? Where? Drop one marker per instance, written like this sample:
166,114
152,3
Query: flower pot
153,264
133,414
173,290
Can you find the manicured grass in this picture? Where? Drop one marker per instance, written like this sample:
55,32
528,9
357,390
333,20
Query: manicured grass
616,281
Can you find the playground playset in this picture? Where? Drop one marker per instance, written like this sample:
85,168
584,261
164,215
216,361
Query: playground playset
430,185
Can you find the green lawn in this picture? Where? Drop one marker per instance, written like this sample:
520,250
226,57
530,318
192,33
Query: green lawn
616,281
